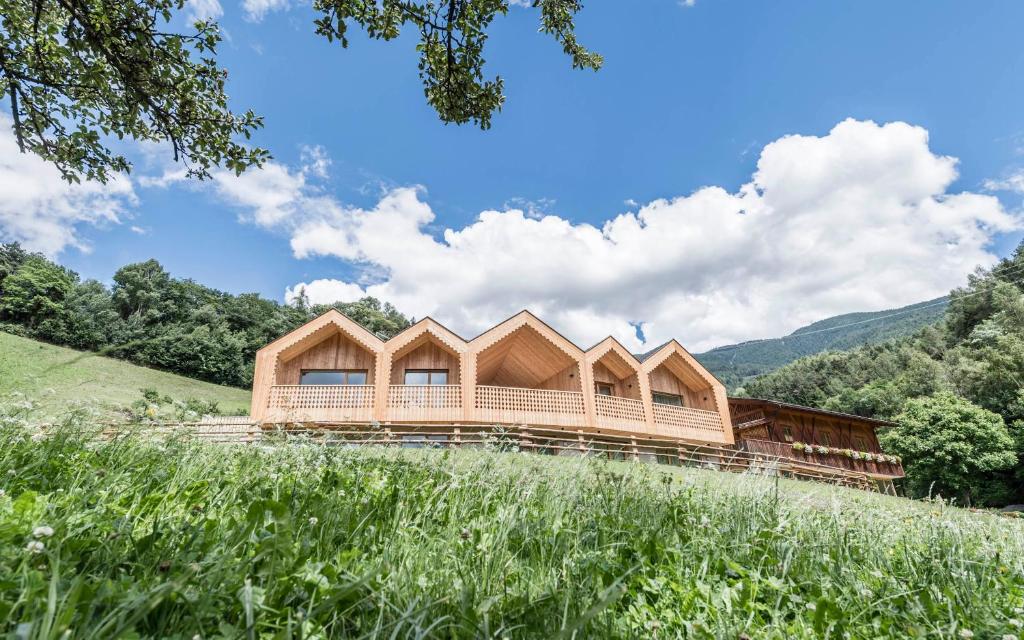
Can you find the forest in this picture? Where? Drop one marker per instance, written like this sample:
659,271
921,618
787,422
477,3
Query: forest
149,318
954,389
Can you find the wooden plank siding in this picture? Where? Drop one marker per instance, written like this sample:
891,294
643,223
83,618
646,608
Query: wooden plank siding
520,371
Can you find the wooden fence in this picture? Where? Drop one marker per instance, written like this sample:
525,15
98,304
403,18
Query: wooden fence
545,441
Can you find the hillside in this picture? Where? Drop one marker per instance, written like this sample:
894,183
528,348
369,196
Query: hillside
290,541
735,364
58,378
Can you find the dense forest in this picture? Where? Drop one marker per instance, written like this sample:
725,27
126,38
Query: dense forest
152,319
735,365
956,390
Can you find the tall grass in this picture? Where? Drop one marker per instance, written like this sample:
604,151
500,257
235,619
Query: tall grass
178,539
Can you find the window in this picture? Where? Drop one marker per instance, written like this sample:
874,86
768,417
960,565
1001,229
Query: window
604,389
787,434
333,376
667,398
426,376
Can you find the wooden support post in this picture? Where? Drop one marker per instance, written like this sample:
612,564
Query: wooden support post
582,445
635,450
457,437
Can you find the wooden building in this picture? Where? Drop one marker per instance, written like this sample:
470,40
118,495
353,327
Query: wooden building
332,371
814,436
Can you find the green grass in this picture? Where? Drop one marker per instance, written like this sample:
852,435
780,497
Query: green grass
178,539
56,378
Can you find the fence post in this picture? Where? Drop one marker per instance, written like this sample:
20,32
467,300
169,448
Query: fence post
582,445
635,450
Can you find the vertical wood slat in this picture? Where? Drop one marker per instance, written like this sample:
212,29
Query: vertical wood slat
427,403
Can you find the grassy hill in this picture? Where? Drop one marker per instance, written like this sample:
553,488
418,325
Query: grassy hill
140,539
733,364
57,378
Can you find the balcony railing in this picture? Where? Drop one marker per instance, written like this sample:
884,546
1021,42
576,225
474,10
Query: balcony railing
620,413
838,461
321,403
684,422
425,403
513,405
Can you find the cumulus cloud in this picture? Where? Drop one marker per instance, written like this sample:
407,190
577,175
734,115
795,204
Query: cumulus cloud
203,10
859,219
256,10
1013,182
45,213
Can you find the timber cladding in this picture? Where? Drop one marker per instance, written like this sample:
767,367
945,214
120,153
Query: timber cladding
520,371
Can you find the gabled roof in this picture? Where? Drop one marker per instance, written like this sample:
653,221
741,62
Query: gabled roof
652,359
526,319
613,346
426,326
643,356
802,409
329,321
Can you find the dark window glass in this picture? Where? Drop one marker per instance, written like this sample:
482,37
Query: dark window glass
333,376
668,398
426,376
787,434
604,389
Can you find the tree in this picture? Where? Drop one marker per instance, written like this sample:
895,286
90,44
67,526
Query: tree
12,256
36,291
77,73
949,445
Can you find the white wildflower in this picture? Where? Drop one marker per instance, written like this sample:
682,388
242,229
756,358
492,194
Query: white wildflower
42,532
1009,636
313,521
1014,622
2,493
35,547
811,606
966,634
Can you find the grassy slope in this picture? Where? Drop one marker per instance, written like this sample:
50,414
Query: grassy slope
57,378
179,539
734,364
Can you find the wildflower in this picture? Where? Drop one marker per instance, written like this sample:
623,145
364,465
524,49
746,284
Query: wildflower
35,547
465,534
313,521
422,582
42,532
12,472
197,637
966,634
1014,622
2,493
1009,636
811,606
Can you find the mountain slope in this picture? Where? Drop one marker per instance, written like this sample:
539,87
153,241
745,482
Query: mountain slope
56,378
733,364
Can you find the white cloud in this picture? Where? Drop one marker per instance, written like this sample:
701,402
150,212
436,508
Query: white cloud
256,10
858,219
1013,182
45,213
203,10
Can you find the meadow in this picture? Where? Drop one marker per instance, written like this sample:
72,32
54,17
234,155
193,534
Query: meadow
142,537
57,378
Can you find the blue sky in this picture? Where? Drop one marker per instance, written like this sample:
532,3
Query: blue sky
688,98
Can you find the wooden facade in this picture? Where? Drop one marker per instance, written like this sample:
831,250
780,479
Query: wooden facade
520,372
814,436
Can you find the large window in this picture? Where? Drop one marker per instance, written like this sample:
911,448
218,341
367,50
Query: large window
426,376
333,376
605,389
671,399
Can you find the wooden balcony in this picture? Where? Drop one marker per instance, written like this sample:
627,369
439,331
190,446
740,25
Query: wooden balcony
514,405
684,422
425,403
624,414
836,461
320,403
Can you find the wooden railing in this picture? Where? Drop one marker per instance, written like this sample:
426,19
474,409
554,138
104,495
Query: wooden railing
320,402
838,461
620,413
749,419
513,405
684,422
425,403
